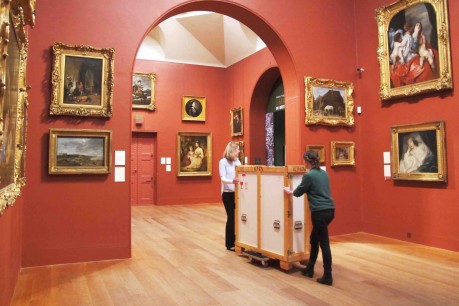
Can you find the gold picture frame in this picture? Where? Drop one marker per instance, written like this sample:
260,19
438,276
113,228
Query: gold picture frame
79,151
241,152
342,153
237,122
328,102
82,81
14,16
194,154
319,149
414,49
193,108
144,91
419,152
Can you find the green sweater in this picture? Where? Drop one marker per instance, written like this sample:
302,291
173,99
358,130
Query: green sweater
316,185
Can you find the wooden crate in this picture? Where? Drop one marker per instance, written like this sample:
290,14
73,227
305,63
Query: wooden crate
267,220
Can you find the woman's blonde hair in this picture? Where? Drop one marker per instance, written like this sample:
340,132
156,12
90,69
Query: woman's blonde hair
229,151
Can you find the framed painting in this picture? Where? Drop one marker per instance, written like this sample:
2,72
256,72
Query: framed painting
342,153
82,81
193,108
414,49
328,102
237,121
319,149
419,152
241,152
79,151
194,154
143,91
14,16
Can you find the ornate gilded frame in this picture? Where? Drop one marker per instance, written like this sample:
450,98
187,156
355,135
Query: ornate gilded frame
93,67
237,122
409,78
319,149
78,151
193,108
426,159
14,16
342,153
328,102
199,161
143,95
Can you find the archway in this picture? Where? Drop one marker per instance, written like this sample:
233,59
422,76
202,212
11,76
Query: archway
286,68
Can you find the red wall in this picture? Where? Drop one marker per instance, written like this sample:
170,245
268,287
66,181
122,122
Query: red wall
173,82
10,250
429,211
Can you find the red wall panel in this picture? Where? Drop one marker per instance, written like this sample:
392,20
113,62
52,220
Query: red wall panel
428,211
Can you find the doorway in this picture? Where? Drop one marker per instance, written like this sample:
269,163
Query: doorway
143,169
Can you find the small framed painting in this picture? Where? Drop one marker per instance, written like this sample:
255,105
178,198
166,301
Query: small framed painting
193,108
143,91
342,153
320,151
237,127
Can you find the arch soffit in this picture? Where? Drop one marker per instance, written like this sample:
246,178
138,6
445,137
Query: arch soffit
256,23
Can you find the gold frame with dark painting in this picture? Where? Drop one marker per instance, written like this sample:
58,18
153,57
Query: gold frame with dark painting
144,91
82,81
237,122
342,153
319,149
79,151
193,108
328,102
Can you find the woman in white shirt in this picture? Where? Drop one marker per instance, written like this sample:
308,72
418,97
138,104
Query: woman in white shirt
227,169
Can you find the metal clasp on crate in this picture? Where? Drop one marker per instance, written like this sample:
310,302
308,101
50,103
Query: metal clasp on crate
298,225
276,224
243,217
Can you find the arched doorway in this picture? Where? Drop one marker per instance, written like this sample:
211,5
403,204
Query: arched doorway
285,68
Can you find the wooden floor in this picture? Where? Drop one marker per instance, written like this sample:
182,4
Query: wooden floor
179,258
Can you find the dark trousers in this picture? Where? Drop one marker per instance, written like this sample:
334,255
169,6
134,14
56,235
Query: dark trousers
319,237
228,202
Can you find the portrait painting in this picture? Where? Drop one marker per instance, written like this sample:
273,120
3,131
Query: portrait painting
237,127
414,52
320,151
143,91
13,107
342,153
73,151
328,102
82,81
193,108
194,154
241,152
418,152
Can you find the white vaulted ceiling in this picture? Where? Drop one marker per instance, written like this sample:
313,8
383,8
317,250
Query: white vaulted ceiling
201,38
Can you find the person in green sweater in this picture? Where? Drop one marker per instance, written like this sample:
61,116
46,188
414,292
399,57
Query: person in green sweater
316,184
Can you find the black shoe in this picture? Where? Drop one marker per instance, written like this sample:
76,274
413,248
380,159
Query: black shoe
325,280
308,271
230,249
